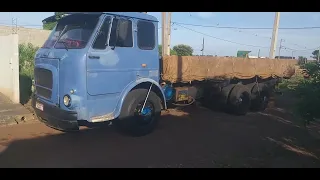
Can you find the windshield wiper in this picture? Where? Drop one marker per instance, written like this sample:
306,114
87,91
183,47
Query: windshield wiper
65,44
58,40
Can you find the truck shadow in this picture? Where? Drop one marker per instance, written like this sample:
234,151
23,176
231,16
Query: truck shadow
191,137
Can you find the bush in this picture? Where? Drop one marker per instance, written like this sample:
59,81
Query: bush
26,67
26,59
307,89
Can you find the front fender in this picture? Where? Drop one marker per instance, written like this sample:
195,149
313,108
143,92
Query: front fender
125,92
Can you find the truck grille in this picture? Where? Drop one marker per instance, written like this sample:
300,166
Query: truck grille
44,92
44,82
43,77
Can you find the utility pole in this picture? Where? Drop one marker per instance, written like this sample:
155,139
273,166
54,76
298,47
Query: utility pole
14,25
259,53
202,46
169,32
280,47
164,34
274,35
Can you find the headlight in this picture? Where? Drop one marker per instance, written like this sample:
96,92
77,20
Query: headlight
66,100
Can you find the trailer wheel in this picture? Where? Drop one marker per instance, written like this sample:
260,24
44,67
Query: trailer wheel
132,120
239,100
260,100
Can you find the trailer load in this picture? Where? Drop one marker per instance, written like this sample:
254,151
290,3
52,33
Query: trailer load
198,68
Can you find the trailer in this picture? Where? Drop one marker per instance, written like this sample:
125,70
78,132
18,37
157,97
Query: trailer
233,84
110,71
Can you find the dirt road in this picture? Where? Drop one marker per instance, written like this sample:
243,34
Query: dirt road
194,137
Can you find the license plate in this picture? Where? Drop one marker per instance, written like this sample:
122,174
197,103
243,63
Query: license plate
39,106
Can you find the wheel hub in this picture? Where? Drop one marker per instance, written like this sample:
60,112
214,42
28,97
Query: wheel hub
146,111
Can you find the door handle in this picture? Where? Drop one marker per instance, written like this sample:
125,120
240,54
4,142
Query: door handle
94,57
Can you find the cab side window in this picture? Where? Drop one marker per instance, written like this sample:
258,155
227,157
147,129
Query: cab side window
146,35
102,37
121,33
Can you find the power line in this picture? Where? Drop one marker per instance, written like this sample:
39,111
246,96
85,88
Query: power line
239,31
296,44
221,38
300,49
256,35
256,28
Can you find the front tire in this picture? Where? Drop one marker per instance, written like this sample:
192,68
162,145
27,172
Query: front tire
132,120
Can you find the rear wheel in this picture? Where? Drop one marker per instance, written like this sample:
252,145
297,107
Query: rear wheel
260,97
239,100
135,120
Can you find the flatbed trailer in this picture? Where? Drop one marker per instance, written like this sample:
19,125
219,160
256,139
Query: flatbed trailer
233,84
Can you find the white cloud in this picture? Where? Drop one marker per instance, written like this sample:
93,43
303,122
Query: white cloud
205,15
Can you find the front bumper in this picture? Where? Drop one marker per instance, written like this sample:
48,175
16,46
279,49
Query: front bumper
55,117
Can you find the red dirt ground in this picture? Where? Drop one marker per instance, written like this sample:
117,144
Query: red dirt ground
192,137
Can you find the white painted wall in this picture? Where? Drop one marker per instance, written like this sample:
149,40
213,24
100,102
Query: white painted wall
37,37
9,67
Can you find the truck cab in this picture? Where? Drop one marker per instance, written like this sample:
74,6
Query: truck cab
97,67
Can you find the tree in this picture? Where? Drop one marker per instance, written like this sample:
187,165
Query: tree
302,60
49,25
315,54
183,50
172,52
52,23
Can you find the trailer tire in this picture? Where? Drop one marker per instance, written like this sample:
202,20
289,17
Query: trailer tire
259,101
135,123
239,100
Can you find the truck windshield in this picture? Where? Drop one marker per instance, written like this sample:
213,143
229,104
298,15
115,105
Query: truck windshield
74,32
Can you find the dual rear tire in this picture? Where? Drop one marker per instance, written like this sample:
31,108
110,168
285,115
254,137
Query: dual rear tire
243,98
239,100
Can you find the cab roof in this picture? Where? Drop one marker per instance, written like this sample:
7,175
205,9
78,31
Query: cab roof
137,15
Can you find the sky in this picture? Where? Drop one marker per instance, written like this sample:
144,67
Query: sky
218,41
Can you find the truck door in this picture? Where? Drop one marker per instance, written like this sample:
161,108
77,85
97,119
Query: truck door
110,60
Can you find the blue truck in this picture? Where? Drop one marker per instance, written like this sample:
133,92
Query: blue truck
105,67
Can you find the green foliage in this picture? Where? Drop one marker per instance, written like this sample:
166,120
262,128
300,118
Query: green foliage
315,54
51,25
302,60
172,52
59,15
26,59
307,90
26,67
183,50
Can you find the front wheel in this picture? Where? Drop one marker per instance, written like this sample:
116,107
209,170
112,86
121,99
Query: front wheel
136,120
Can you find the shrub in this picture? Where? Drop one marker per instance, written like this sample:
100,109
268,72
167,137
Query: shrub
26,67
308,92
26,59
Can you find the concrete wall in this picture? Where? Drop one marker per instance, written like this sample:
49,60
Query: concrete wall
9,67
27,35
